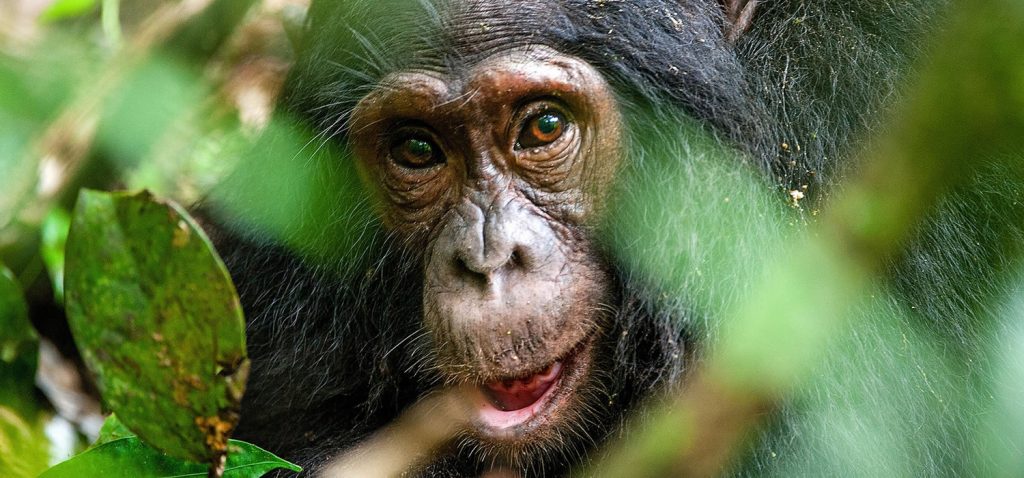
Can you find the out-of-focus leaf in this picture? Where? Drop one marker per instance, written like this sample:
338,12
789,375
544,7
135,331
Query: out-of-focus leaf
145,107
55,235
111,20
17,339
205,34
1000,445
158,321
293,187
23,446
130,457
62,9
715,221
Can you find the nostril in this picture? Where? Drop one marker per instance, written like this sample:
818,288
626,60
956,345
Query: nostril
485,268
514,260
473,272
463,267
517,260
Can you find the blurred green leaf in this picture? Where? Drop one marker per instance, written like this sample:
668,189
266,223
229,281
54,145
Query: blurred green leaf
54,237
145,107
111,20
697,234
881,399
296,188
17,338
61,9
157,319
130,457
1000,444
24,450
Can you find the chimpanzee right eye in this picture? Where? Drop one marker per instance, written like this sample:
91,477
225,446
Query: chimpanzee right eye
416,151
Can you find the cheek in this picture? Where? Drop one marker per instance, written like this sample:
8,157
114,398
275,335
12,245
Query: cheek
409,203
606,150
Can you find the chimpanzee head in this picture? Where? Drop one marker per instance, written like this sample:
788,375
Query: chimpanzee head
497,171
490,135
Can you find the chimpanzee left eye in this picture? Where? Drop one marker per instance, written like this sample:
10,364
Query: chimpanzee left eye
541,129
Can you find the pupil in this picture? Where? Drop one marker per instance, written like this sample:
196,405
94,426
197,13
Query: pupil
548,124
418,147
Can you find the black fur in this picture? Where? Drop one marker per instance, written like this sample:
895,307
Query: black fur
334,334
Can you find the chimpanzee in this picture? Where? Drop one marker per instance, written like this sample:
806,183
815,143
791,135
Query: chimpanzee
489,138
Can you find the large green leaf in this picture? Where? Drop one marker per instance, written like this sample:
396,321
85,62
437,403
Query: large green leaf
158,321
130,457
118,452
23,446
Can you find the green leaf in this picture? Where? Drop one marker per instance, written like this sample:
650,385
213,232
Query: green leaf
131,457
158,321
111,430
62,9
24,450
17,338
54,237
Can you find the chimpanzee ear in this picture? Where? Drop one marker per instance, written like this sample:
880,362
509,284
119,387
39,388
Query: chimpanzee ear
738,17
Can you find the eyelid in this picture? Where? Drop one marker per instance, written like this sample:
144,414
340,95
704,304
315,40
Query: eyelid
536,106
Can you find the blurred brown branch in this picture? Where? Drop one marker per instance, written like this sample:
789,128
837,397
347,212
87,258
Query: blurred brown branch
409,441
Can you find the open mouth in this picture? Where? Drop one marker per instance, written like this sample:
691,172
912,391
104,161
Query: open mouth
513,406
510,395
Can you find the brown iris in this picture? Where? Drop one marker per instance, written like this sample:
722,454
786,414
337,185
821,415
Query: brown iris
541,130
416,152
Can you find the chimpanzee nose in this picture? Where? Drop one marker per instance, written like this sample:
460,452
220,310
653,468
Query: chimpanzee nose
494,242
485,266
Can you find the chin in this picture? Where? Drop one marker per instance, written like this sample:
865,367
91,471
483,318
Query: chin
538,423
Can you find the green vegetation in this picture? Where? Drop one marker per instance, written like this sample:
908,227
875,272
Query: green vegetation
147,102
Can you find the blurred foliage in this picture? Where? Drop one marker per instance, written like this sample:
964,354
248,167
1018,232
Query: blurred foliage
869,381
1000,449
62,9
870,394
80,107
24,451
291,188
54,237
716,219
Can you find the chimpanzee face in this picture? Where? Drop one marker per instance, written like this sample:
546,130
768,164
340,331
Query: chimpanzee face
498,173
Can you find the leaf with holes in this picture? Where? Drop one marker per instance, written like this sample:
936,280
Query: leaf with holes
130,457
158,321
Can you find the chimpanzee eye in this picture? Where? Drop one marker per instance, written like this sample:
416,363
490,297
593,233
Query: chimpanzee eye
416,151
541,129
